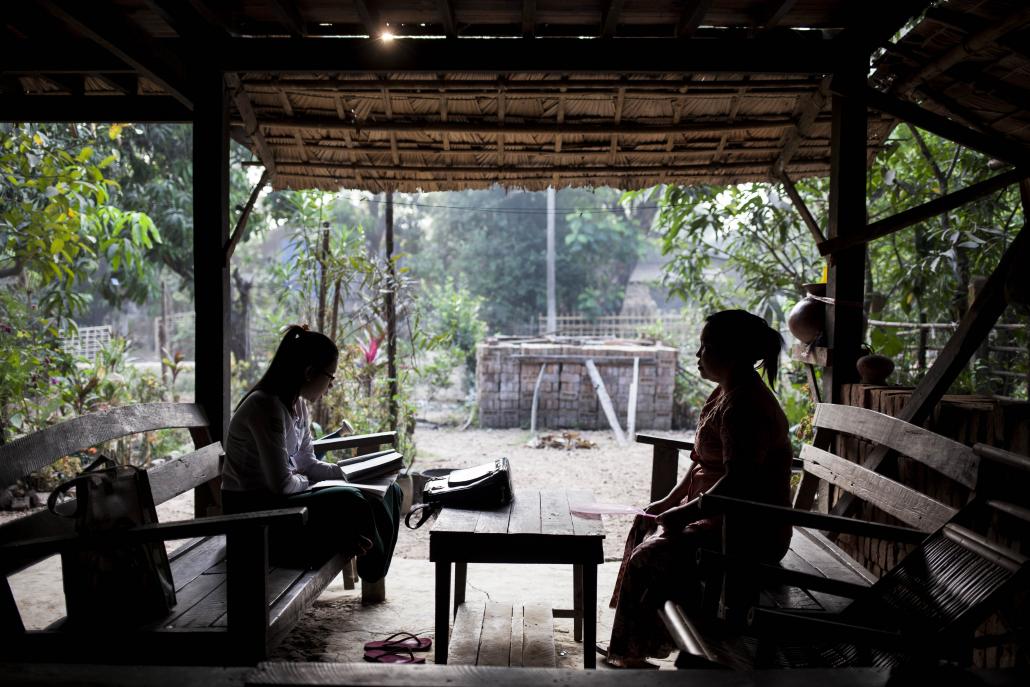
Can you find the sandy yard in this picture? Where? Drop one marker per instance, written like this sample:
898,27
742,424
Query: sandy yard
612,473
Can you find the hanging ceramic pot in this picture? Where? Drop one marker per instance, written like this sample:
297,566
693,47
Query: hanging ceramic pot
807,319
874,369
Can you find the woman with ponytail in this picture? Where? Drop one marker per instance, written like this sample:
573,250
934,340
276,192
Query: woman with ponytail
741,449
270,463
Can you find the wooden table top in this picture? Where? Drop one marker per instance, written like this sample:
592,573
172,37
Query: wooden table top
536,527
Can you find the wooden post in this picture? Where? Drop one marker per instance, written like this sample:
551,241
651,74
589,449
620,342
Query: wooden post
552,289
210,235
391,315
536,399
631,411
246,562
606,402
847,216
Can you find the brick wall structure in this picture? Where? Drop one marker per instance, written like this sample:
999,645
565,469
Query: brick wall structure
507,371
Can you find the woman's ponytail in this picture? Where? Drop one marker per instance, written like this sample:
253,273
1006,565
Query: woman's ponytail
771,353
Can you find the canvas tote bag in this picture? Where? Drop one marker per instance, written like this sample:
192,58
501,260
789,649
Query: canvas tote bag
113,585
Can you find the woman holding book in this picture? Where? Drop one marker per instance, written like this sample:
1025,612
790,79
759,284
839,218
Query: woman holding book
742,450
270,463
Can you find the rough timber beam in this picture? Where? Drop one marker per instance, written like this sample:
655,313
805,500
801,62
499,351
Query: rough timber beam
528,18
693,14
447,20
995,146
250,122
110,31
92,108
771,53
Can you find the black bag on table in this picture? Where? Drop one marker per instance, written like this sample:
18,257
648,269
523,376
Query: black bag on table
113,585
482,487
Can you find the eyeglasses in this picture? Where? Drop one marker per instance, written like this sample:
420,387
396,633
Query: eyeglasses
329,376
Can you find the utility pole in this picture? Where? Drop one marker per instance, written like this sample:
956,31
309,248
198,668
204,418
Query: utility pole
552,298
391,315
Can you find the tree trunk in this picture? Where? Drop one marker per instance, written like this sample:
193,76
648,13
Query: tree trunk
240,340
552,297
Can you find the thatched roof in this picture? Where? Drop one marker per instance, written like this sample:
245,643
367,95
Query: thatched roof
522,93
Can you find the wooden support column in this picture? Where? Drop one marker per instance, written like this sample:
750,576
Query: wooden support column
847,216
210,237
391,315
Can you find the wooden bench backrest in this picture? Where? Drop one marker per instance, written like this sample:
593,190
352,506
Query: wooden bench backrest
167,480
39,449
950,458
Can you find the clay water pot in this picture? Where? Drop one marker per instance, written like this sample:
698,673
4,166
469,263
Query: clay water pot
807,320
874,369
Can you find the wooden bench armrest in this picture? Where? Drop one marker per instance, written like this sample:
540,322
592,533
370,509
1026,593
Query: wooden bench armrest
13,553
655,440
713,504
771,624
714,561
694,651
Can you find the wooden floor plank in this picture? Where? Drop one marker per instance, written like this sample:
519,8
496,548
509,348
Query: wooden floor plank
197,560
280,580
189,596
525,513
538,643
517,620
589,525
207,611
555,517
468,627
495,641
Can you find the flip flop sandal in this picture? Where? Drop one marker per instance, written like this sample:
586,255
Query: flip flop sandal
602,649
401,641
383,656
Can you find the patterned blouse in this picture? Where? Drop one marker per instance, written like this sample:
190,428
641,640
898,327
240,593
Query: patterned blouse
744,426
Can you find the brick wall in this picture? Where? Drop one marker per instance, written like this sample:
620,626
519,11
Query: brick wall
507,372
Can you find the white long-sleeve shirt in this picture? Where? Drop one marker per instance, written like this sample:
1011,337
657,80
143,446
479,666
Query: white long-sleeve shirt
269,448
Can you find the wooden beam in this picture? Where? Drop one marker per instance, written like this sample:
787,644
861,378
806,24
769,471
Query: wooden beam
970,45
810,109
600,170
536,87
447,19
250,123
775,12
920,213
210,235
528,18
126,84
610,18
691,16
995,146
92,108
112,32
793,53
801,207
880,22
241,223
973,329
847,216
493,128
369,15
290,16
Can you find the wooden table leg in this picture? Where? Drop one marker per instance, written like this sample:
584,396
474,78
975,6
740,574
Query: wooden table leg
589,615
443,602
460,577
577,602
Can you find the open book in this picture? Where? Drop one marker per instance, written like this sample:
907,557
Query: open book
372,473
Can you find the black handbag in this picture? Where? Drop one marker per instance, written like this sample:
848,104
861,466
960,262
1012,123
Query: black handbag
113,585
482,487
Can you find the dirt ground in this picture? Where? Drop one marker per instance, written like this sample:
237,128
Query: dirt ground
337,625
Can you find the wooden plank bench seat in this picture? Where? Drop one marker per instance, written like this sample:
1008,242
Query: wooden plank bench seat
500,634
231,607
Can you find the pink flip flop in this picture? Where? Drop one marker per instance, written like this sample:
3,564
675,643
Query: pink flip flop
401,641
384,656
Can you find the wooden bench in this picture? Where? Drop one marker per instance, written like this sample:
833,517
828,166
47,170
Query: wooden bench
818,578
498,634
232,608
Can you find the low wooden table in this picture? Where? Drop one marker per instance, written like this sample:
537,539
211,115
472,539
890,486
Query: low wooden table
537,527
